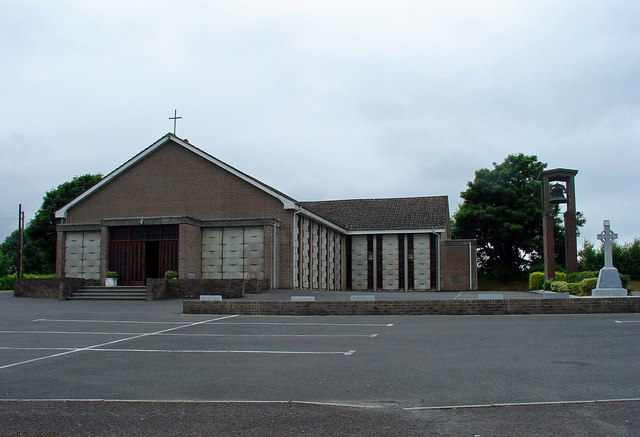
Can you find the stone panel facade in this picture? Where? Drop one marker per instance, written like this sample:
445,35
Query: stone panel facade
82,255
317,254
233,253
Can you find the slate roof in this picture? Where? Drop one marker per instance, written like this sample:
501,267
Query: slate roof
384,214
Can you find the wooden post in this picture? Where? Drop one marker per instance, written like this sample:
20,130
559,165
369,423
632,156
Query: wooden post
20,231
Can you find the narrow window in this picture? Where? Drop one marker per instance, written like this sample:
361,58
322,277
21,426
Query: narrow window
369,262
410,261
379,262
400,261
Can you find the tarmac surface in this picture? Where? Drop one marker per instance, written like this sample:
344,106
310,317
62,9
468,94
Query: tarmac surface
144,368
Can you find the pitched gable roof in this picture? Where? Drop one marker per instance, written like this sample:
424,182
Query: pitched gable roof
384,214
288,202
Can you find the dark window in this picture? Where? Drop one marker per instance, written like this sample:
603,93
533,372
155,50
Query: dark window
379,262
119,234
400,261
170,232
348,260
369,262
410,261
433,246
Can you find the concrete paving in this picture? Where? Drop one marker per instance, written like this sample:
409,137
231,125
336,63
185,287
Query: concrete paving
285,295
144,368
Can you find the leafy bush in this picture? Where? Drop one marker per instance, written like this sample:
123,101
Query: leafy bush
582,288
170,274
625,279
579,276
536,281
111,274
6,282
566,287
587,285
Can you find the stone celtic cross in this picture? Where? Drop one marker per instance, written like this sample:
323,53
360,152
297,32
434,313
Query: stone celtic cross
607,236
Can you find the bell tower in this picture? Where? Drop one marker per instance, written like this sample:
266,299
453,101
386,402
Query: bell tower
563,191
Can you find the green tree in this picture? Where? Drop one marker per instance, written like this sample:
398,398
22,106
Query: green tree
626,258
4,265
502,210
41,231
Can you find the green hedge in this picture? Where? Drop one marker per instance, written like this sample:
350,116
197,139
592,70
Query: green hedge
579,276
587,285
537,282
582,288
6,282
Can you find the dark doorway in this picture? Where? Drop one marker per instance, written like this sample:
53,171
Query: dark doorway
152,259
141,252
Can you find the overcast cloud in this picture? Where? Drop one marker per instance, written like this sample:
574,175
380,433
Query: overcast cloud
327,99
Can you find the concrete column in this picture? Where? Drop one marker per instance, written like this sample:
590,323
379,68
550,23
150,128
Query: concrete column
548,233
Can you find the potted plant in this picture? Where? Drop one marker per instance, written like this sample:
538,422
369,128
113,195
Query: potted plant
110,278
170,274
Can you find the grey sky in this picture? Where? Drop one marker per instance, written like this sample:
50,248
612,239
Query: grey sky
327,100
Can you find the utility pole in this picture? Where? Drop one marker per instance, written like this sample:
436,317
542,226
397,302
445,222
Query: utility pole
20,239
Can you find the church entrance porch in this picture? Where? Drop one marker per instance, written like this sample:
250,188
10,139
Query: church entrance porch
137,253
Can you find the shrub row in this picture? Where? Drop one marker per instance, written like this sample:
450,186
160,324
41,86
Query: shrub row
6,282
582,288
537,282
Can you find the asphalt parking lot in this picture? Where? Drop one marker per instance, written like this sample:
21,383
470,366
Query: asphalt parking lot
144,368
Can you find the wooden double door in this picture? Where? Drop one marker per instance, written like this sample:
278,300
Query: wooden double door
141,252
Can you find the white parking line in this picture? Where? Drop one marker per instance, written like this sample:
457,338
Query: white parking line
109,321
192,335
627,321
192,401
521,404
182,351
112,342
214,322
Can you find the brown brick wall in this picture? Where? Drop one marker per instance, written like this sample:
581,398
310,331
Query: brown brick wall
185,288
454,265
173,181
189,252
49,287
426,307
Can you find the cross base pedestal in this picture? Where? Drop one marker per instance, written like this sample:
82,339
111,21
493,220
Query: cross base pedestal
609,283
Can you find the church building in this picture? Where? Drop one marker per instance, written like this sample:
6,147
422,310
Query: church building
175,207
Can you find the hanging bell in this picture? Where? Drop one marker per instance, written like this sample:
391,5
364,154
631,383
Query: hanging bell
557,194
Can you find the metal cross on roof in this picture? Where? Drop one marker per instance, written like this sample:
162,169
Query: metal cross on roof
175,118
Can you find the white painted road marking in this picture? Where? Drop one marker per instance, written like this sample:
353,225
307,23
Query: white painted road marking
191,335
180,351
111,342
214,322
521,404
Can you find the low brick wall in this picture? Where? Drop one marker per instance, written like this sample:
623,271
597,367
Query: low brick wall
423,307
49,287
194,288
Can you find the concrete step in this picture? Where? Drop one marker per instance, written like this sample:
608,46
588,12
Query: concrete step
104,289
110,293
108,297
